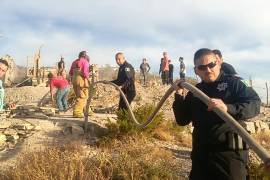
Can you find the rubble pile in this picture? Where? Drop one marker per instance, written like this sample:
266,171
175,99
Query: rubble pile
260,123
25,95
105,99
13,132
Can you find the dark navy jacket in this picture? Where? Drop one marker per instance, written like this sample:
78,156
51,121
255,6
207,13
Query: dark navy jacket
126,78
209,129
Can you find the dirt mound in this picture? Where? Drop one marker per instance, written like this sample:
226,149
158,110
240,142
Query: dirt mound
25,95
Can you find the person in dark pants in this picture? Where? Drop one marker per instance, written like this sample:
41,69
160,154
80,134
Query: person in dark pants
225,67
170,72
182,68
164,68
126,79
144,68
217,151
61,71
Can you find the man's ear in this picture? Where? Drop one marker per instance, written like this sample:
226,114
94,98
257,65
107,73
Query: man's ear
218,59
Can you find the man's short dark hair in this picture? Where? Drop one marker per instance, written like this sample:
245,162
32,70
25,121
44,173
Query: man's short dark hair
82,54
202,52
217,52
4,62
50,75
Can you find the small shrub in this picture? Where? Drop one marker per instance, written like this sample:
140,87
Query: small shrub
257,172
125,125
61,163
263,138
128,158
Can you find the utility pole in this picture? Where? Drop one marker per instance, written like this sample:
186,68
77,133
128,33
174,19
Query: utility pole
266,93
250,81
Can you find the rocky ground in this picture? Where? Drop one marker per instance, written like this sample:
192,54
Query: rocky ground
28,133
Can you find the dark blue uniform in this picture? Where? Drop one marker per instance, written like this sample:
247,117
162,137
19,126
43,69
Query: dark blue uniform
228,69
126,79
218,152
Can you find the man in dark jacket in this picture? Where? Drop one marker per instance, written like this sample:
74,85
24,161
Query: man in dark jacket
217,152
126,79
225,67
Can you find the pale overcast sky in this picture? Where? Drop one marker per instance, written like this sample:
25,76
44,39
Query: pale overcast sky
139,28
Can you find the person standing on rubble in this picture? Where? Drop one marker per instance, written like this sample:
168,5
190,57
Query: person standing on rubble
63,88
3,69
79,73
170,72
164,68
182,68
126,79
145,68
61,71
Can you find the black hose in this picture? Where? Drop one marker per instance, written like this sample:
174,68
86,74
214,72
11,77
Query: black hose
258,149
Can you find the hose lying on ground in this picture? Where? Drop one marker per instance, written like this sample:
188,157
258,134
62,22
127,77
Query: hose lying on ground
16,85
258,149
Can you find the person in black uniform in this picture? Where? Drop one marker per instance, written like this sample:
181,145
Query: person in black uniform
126,79
217,152
182,68
225,67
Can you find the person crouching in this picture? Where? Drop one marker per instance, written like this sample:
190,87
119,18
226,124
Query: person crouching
63,88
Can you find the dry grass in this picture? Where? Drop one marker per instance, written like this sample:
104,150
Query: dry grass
132,157
68,162
170,131
263,138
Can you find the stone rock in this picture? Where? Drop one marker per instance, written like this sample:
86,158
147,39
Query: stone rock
2,139
11,135
23,133
5,124
12,138
37,128
249,126
48,111
10,132
264,126
25,126
257,125
77,130
67,131
74,129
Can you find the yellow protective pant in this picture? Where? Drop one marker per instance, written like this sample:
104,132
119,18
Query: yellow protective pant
80,86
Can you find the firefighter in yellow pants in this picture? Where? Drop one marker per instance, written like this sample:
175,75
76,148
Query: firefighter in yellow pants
80,86
79,72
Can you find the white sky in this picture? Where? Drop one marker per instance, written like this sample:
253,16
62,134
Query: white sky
139,28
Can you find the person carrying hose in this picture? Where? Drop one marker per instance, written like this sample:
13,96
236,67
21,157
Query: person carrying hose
126,79
217,152
79,73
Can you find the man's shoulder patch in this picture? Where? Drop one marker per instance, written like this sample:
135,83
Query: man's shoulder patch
127,69
222,86
245,82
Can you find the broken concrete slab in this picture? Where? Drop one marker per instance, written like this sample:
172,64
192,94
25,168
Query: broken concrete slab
4,123
73,129
12,138
249,126
2,139
24,126
10,132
